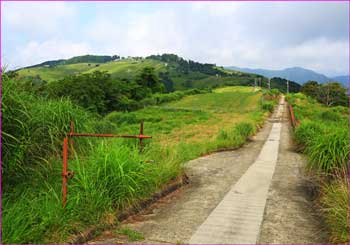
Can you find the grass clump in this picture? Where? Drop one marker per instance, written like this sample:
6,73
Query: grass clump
335,199
305,133
268,106
131,234
244,129
329,151
236,136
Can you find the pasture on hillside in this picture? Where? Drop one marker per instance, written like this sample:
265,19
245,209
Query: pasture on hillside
170,72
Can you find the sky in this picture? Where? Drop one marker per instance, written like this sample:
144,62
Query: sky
270,35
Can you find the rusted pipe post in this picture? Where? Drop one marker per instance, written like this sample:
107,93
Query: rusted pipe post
292,117
141,134
71,141
65,171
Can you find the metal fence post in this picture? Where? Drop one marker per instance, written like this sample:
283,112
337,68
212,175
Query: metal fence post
71,141
64,171
141,134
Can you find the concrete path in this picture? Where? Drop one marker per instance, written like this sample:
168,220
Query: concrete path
226,197
238,216
290,215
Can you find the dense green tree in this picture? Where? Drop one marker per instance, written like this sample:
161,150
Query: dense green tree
185,66
148,79
98,92
332,94
87,90
281,85
167,81
310,88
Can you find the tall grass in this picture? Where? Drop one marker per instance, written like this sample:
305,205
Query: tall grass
329,151
323,136
335,201
33,129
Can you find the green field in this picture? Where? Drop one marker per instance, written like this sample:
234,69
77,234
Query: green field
195,117
110,175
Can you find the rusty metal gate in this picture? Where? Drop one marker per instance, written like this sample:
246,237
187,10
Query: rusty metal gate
66,174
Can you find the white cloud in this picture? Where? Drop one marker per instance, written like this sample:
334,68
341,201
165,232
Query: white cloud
35,18
36,52
218,9
140,34
329,56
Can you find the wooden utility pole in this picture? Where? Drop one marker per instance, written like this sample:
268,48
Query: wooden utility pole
269,83
287,86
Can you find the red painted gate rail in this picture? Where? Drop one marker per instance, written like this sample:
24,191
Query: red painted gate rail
69,139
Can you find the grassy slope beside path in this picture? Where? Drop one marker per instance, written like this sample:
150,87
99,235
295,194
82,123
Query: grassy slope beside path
111,174
323,137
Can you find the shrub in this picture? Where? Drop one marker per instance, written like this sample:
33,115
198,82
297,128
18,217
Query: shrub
148,102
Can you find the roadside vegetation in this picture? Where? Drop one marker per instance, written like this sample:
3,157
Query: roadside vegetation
323,135
110,175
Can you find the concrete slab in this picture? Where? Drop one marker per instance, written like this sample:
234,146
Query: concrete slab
238,217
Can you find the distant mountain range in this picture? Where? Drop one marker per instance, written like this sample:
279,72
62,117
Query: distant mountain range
297,74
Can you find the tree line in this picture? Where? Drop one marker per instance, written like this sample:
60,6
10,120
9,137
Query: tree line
185,66
330,94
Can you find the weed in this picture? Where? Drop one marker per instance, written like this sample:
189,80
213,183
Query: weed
131,234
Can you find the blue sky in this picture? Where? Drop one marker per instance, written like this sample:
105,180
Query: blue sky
270,35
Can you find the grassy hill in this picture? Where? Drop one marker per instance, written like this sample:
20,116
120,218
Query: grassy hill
173,71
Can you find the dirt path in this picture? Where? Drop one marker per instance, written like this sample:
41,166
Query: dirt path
176,218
